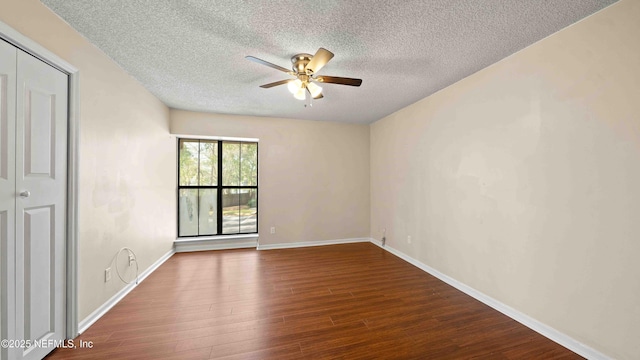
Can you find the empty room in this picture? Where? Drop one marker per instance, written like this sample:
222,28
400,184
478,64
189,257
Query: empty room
319,179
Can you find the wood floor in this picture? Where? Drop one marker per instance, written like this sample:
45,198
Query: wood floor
341,301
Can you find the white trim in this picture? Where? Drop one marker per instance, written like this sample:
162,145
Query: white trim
222,242
311,243
220,138
99,312
73,171
215,238
545,330
23,43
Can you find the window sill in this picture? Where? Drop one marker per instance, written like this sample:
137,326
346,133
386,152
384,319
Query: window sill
216,242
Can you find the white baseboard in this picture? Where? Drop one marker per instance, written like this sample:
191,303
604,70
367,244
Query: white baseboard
99,312
545,330
216,243
311,243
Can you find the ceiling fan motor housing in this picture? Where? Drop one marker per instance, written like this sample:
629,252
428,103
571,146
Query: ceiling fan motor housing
300,62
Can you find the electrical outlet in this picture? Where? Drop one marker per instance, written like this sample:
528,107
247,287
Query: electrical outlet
409,239
107,274
131,259
273,229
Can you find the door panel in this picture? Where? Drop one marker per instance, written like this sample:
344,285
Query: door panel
7,190
41,111
39,258
5,100
39,136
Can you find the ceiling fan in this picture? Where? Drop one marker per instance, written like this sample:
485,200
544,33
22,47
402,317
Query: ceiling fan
305,68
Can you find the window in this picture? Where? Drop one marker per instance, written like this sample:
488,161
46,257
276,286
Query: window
217,187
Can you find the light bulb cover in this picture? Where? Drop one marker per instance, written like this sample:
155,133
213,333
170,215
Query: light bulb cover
294,86
300,94
314,89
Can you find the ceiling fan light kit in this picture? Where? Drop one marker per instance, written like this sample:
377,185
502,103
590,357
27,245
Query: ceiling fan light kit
300,94
294,86
314,90
304,67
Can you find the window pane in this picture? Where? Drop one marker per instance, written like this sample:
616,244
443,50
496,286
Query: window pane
231,163
208,162
249,164
248,210
239,211
208,212
188,162
230,211
188,212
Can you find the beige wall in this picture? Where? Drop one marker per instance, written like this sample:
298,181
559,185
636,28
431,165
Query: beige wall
521,180
313,176
127,157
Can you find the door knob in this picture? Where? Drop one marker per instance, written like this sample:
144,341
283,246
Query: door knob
25,194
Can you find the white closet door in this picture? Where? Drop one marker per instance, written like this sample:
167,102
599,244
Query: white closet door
7,189
41,153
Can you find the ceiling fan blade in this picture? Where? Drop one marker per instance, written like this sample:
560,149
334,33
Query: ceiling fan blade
319,60
339,80
260,61
281,82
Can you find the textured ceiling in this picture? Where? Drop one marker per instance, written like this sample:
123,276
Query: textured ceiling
190,54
